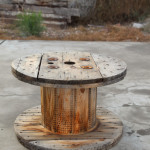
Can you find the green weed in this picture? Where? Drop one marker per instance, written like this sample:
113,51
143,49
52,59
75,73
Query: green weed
30,24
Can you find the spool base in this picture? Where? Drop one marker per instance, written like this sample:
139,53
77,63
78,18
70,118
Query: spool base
34,136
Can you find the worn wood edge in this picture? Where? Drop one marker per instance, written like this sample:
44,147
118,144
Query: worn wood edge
34,81
24,78
119,78
83,85
101,81
92,143
116,77
69,83
120,75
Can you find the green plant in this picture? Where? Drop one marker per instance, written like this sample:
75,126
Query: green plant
30,24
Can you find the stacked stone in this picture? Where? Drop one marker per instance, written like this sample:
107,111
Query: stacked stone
54,12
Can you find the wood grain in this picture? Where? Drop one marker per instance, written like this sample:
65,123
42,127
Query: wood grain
26,68
105,70
110,67
33,135
69,74
68,111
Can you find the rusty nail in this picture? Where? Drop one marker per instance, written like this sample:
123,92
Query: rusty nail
53,67
86,67
85,59
52,59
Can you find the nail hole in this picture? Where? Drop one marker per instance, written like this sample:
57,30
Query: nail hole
50,63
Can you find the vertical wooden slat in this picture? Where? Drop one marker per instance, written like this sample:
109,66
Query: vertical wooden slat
42,105
68,111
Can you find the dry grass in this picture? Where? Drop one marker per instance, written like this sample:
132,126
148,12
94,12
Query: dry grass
81,33
111,33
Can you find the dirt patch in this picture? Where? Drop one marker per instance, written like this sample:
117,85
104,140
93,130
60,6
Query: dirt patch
144,132
126,105
141,91
130,133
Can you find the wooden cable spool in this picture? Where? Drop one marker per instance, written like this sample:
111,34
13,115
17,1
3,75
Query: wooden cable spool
69,82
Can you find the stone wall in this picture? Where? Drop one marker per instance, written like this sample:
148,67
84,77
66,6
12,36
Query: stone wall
85,7
53,11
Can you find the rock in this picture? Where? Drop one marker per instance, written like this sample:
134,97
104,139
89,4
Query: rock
138,25
147,27
86,7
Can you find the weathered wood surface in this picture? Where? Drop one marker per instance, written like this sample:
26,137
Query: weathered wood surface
33,135
68,111
110,67
27,68
70,74
105,70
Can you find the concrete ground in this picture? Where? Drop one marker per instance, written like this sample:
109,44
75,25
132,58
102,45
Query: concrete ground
129,99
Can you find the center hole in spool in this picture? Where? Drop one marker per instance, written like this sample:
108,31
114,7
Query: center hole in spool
69,62
50,62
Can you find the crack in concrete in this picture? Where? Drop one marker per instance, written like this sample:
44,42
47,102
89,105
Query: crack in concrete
2,42
138,123
144,131
125,106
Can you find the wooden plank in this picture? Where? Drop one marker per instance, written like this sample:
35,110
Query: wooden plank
110,68
66,73
74,144
45,72
81,109
15,64
78,73
68,111
28,67
105,136
106,70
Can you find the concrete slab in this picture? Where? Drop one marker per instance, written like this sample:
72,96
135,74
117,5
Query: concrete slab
129,99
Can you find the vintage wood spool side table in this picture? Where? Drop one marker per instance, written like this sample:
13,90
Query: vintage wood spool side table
68,117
